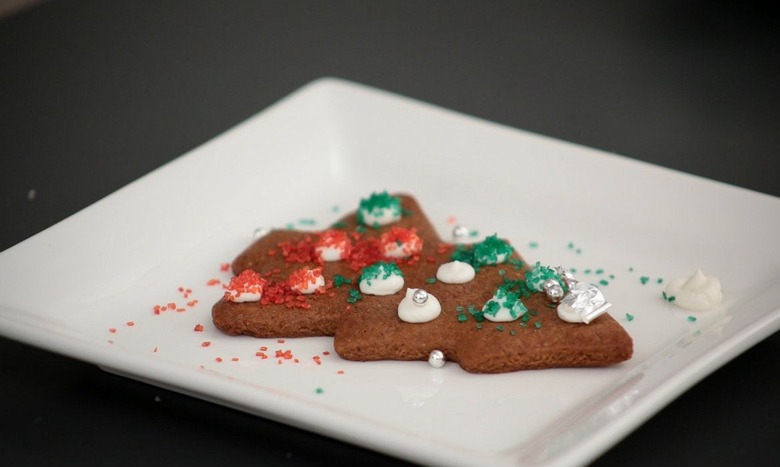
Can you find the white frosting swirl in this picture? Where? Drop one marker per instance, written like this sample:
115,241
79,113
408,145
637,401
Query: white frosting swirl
411,312
698,292
455,272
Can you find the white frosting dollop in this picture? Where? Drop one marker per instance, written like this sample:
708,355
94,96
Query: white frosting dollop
698,292
380,216
330,253
238,297
507,306
312,286
455,272
411,312
382,285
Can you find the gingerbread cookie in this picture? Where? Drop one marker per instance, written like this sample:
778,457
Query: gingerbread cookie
386,287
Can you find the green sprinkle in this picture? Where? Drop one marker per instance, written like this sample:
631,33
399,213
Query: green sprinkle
660,280
536,277
538,324
339,225
339,280
644,280
431,280
502,272
578,251
459,308
319,390
474,233
512,332
479,325
335,209
360,229
380,270
534,312
491,250
525,318
691,319
290,226
573,270
499,328
630,269
462,317
599,271
517,263
612,276
669,299
604,282
672,298
533,245
307,221
406,212
587,271
377,204
354,295
629,317
570,245
524,324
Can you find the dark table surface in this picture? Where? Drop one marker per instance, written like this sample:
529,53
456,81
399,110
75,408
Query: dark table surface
95,94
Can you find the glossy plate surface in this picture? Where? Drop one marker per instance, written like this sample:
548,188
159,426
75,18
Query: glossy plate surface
88,286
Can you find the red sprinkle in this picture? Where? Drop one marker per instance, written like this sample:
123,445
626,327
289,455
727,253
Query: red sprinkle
198,328
224,267
192,303
112,330
212,282
248,282
205,344
130,323
218,359
317,359
234,359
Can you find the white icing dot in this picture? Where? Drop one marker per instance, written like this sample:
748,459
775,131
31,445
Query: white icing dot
455,272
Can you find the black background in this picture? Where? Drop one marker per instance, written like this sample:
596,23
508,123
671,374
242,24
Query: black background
95,94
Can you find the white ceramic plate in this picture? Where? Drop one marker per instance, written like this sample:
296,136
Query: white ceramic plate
76,287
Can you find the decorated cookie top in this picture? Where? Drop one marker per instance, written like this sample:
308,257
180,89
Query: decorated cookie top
477,304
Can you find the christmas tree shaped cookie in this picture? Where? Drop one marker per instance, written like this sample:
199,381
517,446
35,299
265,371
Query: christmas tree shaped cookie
386,286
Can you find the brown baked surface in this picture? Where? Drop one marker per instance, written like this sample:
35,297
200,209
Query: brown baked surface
369,328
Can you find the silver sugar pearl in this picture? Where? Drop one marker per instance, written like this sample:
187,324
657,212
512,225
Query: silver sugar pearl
460,231
566,276
420,296
553,290
436,358
261,232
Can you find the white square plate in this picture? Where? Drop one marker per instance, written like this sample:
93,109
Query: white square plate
87,287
